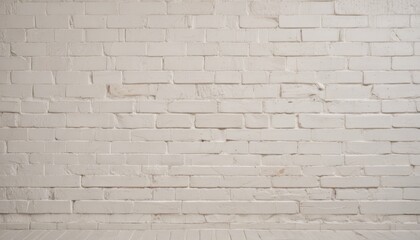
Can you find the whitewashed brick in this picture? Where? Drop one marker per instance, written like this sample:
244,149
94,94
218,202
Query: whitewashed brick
88,206
371,77
209,115
145,35
300,21
183,63
300,49
101,8
126,21
321,121
368,121
344,21
329,207
349,182
389,207
321,63
174,121
239,207
35,77
257,22
45,206
318,35
218,121
77,78
125,49
170,21
190,8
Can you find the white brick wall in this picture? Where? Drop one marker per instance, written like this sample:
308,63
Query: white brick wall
292,114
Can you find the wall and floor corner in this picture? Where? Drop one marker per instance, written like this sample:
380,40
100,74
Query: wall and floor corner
294,115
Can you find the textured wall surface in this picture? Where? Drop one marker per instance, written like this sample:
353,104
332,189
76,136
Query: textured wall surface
210,114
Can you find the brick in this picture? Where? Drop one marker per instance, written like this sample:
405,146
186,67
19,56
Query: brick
170,21
240,106
405,63
319,148
272,147
321,121
65,8
190,8
166,49
174,121
218,121
45,206
138,63
295,182
142,8
284,106
391,49
371,77
349,182
145,35
228,35
411,193
300,49
135,121
57,21
183,63
186,35
209,21
192,106
283,121
317,35
369,35
370,63
257,22
394,91
368,147
209,115
131,77
40,181
35,77
339,91
114,181
138,147
388,171
101,8
126,21
368,121
125,49
31,8
300,21
90,120
389,207
405,120
14,63
10,21
321,63
329,207
157,207
102,35
287,207
103,207
354,106
345,21
50,63
85,49
86,91
230,8
46,120
349,49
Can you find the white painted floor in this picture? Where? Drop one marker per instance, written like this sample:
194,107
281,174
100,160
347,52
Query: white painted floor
205,235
